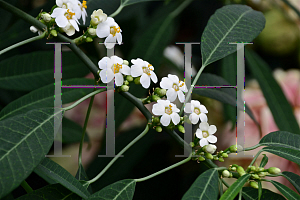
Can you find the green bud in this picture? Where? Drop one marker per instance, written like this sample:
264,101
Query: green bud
254,184
216,158
225,155
155,120
231,175
124,88
162,92
209,156
181,128
221,159
233,168
154,98
88,39
225,173
53,32
262,174
43,21
235,148
261,169
125,62
240,170
253,168
46,17
129,78
210,148
192,144
255,176
274,170
126,82
201,158
158,129
92,31
137,80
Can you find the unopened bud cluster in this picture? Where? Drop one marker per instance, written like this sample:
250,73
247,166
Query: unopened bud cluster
157,126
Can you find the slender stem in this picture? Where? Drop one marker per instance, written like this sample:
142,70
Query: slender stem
240,195
164,170
118,155
225,183
292,7
253,147
82,99
274,175
117,11
23,42
26,187
221,186
180,8
252,162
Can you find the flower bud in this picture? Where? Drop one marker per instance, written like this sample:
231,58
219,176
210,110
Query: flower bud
225,173
129,78
216,158
261,169
92,31
137,80
125,62
181,128
252,168
155,120
160,92
192,144
262,174
53,32
233,168
221,159
210,148
201,158
208,156
255,176
254,184
154,98
33,29
158,129
274,170
124,88
126,82
240,170
231,175
88,39
97,17
235,148
46,17
225,155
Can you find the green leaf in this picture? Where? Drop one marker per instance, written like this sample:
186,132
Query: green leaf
129,2
123,189
72,132
264,161
224,95
82,176
54,171
43,97
234,189
250,193
287,192
232,23
33,70
25,140
204,187
287,153
259,190
283,114
293,179
50,192
281,139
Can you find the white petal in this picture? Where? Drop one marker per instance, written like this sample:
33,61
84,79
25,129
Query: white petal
116,59
153,77
110,42
166,83
196,103
119,38
102,31
125,70
103,63
199,133
59,3
203,117
110,21
158,109
181,96
136,70
204,126
187,108
165,119
174,108
74,24
212,129
203,142
194,118
145,80
183,88
106,75
212,139
58,12
203,109
171,95
61,21
175,118
173,78
119,79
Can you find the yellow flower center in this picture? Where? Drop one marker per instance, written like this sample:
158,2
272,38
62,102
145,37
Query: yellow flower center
69,14
197,111
175,87
114,30
116,68
168,110
181,84
147,70
205,134
84,4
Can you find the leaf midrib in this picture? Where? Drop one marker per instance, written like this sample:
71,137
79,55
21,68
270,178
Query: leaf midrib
239,183
123,189
212,174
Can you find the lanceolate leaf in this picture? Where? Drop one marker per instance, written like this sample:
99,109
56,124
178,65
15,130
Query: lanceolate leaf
282,139
287,192
204,187
250,193
121,190
281,109
25,140
287,153
54,171
234,189
232,23
293,178
264,161
51,192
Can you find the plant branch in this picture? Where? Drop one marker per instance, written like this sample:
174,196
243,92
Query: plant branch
292,7
253,147
256,156
26,187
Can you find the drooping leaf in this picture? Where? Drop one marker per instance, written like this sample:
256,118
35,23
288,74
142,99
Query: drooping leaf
293,179
204,187
50,192
229,24
286,191
287,153
264,161
72,132
43,97
250,193
123,189
57,173
283,114
33,70
25,140
234,189
281,139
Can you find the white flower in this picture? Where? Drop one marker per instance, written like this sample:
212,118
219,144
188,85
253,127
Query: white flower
67,4
167,110
205,133
143,69
63,16
98,17
197,110
174,87
113,67
210,148
111,30
46,17
80,10
69,29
